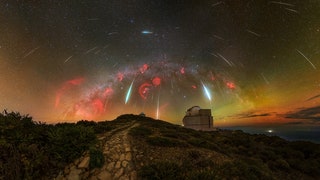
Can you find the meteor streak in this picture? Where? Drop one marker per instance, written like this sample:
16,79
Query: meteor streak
129,93
226,60
158,112
146,32
207,92
314,67
281,3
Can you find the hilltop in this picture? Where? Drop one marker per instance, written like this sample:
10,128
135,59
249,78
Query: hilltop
137,147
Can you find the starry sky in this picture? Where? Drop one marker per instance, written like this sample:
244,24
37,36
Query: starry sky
251,62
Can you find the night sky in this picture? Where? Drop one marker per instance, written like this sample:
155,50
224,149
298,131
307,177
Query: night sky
253,62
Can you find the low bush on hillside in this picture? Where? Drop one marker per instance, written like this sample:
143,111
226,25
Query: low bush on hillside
161,170
140,131
96,158
164,142
34,150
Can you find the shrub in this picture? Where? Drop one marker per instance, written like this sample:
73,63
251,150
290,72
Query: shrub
69,142
193,154
161,170
203,175
164,142
96,158
140,131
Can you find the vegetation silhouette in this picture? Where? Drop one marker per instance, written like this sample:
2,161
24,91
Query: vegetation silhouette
35,150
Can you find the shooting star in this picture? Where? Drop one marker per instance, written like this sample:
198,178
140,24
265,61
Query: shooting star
218,37
226,60
254,33
314,97
129,93
207,92
90,50
146,32
292,10
265,79
314,67
68,59
281,3
30,52
213,54
158,111
216,4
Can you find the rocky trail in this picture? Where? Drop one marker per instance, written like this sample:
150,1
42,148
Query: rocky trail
117,153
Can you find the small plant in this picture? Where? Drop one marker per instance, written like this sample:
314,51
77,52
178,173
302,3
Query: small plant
140,131
193,154
161,170
203,175
96,158
164,142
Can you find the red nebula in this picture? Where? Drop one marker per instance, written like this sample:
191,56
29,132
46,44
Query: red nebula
98,106
156,81
120,76
182,70
144,89
144,68
76,81
65,86
108,91
194,86
231,85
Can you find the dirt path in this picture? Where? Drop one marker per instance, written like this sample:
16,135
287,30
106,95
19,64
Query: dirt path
117,152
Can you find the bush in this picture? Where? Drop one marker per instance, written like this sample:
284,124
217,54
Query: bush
96,158
193,154
161,170
140,131
164,142
203,175
69,142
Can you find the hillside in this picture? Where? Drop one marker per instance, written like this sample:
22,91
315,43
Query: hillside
137,147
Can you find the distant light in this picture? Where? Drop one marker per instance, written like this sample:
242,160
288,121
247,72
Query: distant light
146,32
270,131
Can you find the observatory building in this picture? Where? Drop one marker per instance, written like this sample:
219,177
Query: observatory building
198,119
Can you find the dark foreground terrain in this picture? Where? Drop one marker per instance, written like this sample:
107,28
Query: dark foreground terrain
137,147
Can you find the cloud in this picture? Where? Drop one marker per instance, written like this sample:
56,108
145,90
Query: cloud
253,114
314,97
294,123
312,113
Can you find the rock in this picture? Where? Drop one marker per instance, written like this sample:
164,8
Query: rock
127,149
85,175
76,162
118,165
122,156
104,175
128,157
133,175
118,173
125,177
110,166
115,156
74,174
84,163
124,164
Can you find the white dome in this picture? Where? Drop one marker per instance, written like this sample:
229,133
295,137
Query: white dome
193,111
